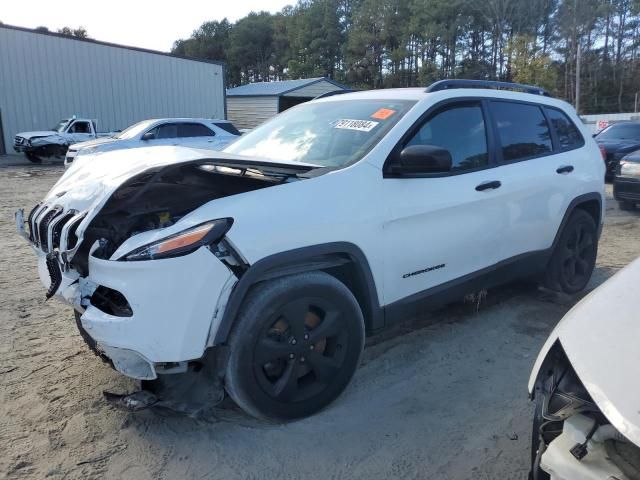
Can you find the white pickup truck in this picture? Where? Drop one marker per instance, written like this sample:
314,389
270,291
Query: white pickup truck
55,142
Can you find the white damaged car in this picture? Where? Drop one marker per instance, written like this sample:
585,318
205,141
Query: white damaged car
585,386
332,220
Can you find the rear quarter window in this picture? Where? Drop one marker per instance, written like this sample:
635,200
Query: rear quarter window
228,127
567,134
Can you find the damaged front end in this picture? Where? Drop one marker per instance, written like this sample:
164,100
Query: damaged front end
147,279
571,436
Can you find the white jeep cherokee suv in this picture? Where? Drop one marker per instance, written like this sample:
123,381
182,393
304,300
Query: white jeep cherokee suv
330,221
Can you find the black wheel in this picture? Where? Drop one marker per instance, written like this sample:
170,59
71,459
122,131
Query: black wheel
294,347
624,205
574,256
33,157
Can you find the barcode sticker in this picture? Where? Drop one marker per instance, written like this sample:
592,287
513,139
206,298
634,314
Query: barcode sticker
359,125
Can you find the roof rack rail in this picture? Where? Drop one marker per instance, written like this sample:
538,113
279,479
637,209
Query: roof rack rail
462,83
332,93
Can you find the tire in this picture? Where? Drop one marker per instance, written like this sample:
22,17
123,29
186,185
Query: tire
295,345
33,158
574,256
624,205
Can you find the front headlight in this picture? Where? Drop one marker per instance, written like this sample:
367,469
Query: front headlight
183,242
629,169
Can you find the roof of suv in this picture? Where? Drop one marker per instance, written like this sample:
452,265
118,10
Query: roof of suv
420,93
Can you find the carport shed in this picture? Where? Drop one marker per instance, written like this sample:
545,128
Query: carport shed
250,105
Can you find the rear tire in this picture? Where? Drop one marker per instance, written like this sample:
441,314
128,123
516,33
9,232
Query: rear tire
294,347
624,205
574,256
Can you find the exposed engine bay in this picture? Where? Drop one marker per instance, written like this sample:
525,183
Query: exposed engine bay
158,199
574,438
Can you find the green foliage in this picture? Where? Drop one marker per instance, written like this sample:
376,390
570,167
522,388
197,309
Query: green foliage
402,43
79,32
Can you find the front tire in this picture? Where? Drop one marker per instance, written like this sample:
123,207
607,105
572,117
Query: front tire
33,158
624,205
294,347
574,256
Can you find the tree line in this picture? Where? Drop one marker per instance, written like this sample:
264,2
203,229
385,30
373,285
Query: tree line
405,43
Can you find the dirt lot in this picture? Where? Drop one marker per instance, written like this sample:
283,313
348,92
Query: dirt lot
442,397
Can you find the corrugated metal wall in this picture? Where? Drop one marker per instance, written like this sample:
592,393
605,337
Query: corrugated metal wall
249,112
314,90
44,78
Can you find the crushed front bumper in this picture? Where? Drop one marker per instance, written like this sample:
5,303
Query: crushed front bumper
172,305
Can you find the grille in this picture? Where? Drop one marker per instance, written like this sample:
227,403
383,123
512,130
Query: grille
43,228
54,272
29,220
57,229
18,140
47,225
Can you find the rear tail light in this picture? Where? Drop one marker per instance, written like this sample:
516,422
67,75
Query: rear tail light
603,152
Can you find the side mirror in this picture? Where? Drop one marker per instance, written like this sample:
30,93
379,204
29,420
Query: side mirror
424,159
148,136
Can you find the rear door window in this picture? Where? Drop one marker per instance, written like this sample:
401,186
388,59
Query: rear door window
193,130
568,135
522,129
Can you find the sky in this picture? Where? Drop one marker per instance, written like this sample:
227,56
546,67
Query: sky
155,25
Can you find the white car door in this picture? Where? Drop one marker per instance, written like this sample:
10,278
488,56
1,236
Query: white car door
197,135
80,131
538,182
442,227
164,134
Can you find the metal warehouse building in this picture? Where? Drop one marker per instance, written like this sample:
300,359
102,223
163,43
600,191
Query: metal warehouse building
250,105
45,77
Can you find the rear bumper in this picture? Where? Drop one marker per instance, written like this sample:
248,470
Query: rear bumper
626,189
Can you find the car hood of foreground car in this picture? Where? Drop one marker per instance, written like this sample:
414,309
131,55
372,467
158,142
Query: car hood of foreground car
87,185
601,338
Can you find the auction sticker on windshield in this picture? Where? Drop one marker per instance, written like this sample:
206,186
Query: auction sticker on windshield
359,125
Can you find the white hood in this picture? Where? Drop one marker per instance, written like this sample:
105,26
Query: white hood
29,135
94,142
601,337
87,185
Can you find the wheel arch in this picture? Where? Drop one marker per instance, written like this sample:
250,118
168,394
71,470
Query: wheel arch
590,203
342,260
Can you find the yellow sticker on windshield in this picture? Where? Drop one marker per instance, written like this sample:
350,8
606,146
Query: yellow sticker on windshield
383,114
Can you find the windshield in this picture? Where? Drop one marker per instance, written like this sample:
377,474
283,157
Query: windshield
134,130
62,124
326,134
621,131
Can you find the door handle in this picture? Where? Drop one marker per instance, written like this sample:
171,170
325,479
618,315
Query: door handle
488,185
565,169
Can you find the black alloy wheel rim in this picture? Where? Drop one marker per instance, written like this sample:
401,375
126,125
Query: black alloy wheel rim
577,260
301,350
